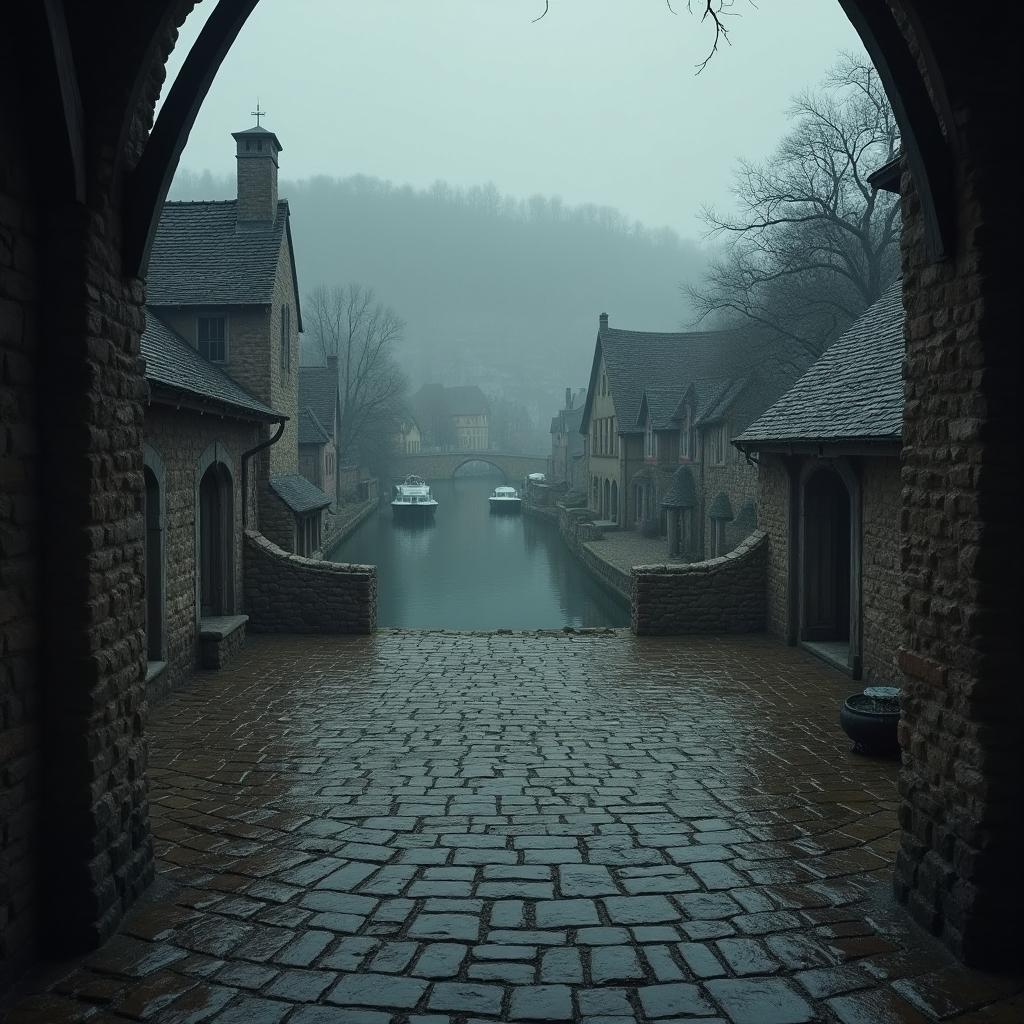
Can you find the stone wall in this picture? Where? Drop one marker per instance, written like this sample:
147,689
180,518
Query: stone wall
180,439
773,519
962,730
880,570
737,480
288,594
576,528
20,731
721,595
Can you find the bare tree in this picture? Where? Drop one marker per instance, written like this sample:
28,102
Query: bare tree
812,243
349,324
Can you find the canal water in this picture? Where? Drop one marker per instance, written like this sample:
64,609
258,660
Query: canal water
473,570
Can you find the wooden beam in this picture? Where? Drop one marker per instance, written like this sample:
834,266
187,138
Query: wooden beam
927,150
147,185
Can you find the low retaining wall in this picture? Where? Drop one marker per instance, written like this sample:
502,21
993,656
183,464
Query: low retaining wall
721,595
576,527
346,521
288,594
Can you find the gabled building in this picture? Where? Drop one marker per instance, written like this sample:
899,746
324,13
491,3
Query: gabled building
202,432
222,277
567,448
660,411
320,427
829,497
453,418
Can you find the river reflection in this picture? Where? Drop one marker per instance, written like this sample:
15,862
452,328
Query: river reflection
469,569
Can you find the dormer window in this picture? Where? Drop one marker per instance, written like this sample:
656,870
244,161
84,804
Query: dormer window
212,338
685,435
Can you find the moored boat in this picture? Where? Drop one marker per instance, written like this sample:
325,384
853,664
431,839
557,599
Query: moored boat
412,499
505,499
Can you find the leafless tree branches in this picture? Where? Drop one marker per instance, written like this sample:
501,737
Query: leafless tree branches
349,324
716,10
812,243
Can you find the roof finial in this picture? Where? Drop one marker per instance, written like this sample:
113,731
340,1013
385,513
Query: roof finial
257,113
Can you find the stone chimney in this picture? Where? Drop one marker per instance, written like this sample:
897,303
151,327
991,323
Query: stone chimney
332,364
602,321
256,155
568,398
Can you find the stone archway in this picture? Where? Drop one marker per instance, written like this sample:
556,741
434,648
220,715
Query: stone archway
84,181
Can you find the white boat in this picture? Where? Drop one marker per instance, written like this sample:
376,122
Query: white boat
505,499
413,499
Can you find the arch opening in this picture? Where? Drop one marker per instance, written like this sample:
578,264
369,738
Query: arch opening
216,542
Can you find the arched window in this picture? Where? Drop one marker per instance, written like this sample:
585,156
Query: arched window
216,542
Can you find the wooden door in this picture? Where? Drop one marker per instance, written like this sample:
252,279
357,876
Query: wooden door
826,558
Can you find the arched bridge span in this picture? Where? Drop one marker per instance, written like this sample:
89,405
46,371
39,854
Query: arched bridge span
443,465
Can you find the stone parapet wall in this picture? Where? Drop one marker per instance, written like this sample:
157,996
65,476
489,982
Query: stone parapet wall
577,529
286,593
721,595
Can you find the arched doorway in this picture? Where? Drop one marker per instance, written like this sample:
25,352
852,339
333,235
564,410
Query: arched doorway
826,565
216,542
153,555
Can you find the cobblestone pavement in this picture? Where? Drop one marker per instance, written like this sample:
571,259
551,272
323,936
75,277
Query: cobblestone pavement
626,548
437,828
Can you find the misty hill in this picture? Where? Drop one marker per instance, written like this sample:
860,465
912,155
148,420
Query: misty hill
496,291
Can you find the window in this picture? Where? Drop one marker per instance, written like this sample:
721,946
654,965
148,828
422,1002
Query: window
715,441
212,336
286,339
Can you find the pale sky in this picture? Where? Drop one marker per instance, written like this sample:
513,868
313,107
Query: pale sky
598,102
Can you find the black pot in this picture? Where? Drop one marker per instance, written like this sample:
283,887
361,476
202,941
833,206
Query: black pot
871,724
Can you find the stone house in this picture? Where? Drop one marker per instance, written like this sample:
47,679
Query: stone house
453,418
222,276
408,437
202,433
318,457
828,454
659,412
470,413
320,427
567,448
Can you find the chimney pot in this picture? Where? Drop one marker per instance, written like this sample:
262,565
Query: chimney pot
603,320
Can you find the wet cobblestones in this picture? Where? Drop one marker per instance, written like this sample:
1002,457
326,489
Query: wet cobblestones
426,828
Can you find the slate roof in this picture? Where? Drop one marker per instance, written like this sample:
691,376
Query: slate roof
854,392
721,507
202,257
718,406
466,400
298,493
661,403
172,364
682,493
318,392
311,431
636,360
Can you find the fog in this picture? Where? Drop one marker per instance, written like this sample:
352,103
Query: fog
500,181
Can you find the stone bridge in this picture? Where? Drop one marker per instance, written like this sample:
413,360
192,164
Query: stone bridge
443,465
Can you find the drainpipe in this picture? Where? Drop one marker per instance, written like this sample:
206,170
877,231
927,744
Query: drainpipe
246,456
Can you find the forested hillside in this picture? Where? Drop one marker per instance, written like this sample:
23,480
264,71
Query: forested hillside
496,291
